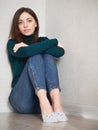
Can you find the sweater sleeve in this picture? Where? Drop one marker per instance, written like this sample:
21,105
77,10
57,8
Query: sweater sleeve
56,51
32,49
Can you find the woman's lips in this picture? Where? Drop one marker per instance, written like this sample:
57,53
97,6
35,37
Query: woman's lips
26,30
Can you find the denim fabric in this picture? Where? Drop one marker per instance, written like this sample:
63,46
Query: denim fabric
40,72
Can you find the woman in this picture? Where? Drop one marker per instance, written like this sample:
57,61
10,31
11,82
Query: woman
35,84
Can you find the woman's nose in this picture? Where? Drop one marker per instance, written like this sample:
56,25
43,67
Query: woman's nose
25,24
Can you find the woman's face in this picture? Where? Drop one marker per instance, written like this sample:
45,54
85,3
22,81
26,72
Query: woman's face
26,24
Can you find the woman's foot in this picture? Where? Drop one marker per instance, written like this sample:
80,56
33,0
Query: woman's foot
60,116
44,102
51,117
59,113
57,106
46,109
56,101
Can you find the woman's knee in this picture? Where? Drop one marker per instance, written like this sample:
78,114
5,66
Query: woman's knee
34,58
48,56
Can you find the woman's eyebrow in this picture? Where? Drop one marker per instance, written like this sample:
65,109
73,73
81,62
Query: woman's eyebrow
29,18
26,19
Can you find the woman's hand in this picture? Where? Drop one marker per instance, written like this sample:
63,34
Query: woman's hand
61,45
18,45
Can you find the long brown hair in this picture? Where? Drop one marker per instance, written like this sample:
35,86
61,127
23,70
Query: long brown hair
15,33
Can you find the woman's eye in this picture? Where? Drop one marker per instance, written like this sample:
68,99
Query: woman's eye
29,21
20,22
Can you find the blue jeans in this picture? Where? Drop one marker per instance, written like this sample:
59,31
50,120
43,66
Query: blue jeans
40,72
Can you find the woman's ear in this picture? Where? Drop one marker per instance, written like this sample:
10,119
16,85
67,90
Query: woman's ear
35,25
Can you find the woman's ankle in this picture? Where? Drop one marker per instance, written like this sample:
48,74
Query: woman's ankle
57,108
56,100
45,106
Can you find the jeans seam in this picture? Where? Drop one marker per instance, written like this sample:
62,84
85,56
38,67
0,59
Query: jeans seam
34,82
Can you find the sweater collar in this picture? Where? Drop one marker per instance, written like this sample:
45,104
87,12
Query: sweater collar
28,39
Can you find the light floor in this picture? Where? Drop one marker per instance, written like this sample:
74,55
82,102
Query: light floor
13,121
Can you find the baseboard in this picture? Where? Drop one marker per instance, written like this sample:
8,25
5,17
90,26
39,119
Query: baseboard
89,112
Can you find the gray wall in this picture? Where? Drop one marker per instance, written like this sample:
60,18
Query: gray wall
75,24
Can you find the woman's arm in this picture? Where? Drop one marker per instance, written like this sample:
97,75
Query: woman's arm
61,45
18,45
55,51
33,49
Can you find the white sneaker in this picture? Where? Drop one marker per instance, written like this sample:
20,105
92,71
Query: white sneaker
61,116
51,117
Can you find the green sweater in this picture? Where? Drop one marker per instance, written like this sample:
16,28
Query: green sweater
19,58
